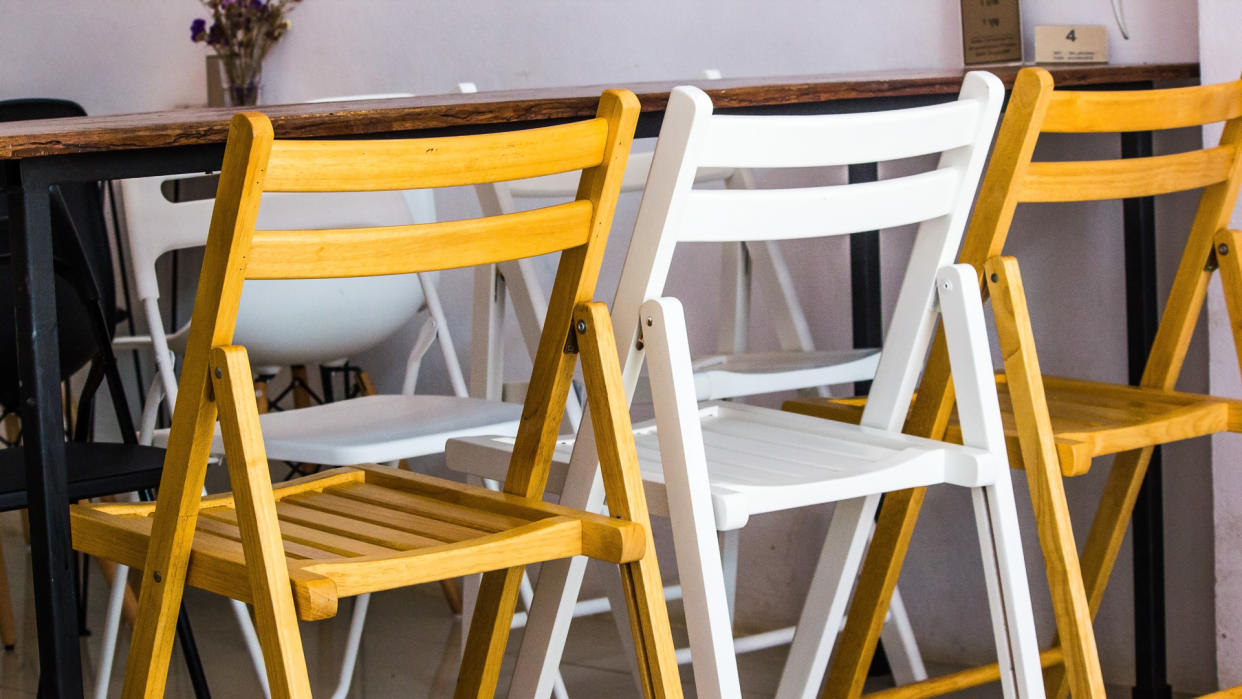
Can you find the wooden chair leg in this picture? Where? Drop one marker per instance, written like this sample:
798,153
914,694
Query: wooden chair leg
8,627
1043,474
1108,529
261,396
876,581
623,488
301,397
489,632
275,618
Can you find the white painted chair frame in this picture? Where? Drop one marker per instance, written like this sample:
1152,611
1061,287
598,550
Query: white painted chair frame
693,138
176,229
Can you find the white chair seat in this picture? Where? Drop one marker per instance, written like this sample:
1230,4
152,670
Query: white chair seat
377,428
735,375
764,460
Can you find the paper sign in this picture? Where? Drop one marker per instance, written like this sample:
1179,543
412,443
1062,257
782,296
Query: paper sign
991,31
1071,44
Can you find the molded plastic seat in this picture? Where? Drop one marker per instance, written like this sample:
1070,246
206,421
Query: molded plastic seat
377,428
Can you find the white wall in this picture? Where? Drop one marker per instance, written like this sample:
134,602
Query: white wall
136,55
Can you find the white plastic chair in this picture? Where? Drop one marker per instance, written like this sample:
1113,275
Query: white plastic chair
313,322
712,466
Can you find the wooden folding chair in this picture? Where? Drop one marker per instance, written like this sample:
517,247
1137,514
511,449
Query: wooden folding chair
1056,426
295,551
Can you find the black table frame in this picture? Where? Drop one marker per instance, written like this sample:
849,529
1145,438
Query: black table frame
51,549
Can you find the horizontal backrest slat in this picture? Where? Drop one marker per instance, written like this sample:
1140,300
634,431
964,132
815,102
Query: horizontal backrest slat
359,252
565,184
779,214
329,166
1077,111
816,141
1094,180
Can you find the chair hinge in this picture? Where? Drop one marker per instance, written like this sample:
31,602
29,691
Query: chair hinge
1212,263
571,342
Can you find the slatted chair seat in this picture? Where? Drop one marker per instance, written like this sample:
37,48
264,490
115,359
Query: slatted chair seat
368,528
760,463
1089,418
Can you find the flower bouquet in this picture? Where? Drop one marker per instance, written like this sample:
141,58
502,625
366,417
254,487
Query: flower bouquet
242,32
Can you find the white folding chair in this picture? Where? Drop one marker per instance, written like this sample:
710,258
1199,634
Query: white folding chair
712,466
732,371
312,322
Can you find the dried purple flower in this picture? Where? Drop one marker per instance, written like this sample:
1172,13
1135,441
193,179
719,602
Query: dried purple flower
198,30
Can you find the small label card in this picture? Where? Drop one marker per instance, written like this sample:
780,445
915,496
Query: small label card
1071,44
991,31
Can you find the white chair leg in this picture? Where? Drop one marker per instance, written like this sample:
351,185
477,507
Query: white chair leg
617,608
349,659
703,586
251,640
825,605
111,630
1009,598
900,646
527,593
729,541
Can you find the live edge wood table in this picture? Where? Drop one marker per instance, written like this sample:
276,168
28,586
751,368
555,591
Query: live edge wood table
35,155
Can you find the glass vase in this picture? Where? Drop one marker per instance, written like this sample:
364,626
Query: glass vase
242,95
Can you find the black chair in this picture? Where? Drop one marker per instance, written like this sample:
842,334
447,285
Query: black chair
86,318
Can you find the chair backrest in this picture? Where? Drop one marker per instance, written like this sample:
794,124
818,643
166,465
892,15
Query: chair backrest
1014,177
305,322
255,163
939,200
83,264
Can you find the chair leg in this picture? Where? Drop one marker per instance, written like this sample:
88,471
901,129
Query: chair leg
111,629
1043,473
900,646
349,660
189,649
275,616
8,627
705,590
827,598
1009,598
488,634
251,640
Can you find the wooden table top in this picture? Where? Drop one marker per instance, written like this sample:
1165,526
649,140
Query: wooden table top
184,127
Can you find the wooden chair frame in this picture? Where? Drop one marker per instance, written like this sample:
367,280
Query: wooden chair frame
284,585
1047,453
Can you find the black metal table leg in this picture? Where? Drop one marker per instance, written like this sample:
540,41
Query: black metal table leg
1150,661
51,551
865,278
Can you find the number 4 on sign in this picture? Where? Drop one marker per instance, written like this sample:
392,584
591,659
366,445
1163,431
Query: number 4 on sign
1071,36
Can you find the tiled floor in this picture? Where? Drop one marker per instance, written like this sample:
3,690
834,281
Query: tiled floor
409,649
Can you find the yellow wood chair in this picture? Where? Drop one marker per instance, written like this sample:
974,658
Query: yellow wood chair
1056,426
295,551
